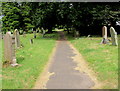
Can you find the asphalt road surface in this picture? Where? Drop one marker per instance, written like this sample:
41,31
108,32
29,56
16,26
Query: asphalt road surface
65,76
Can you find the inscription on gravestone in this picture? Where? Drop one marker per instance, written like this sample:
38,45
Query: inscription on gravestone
9,49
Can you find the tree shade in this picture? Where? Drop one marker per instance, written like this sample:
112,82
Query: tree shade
85,17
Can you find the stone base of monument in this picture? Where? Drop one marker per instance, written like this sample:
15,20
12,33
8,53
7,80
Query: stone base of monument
14,63
104,41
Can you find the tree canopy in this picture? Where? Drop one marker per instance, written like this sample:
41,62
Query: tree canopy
82,16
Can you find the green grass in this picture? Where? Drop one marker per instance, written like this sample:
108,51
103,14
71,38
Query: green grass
32,58
0,64
103,59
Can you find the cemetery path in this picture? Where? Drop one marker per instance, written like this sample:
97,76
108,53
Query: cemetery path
65,76
66,69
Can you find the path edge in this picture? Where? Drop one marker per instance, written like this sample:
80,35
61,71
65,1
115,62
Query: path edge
86,69
45,75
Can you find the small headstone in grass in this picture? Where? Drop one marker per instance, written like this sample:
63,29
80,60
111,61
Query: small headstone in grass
9,49
88,36
43,32
24,34
17,38
34,32
31,41
76,34
104,35
113,36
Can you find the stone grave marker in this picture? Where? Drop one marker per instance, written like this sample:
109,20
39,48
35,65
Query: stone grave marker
34,32
76,34
31,41
43,32
17,38
113,34
24,34
9,49
104,35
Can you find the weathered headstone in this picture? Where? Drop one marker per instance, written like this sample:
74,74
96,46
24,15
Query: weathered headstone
88,36
17,38
31,41
34,32
104,35
113,36
43,32
24,34
9,49
76,34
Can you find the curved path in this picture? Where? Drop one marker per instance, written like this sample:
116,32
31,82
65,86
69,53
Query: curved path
65,76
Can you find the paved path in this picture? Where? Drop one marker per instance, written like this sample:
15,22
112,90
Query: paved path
65,76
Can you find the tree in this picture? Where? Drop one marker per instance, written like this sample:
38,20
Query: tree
16,15
25,13
82,16
11,16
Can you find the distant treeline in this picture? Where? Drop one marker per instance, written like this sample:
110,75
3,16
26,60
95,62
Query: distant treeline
85,17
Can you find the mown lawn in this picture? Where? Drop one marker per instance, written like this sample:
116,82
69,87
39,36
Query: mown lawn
0,64
32,59
103,59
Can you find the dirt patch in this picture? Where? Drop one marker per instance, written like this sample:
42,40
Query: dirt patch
82,66
44,77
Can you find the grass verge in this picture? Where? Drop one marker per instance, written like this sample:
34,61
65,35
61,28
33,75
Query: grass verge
0,63
103,59
32,59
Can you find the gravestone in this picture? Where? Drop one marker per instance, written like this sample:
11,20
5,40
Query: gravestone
113,34
17,38
88,36
34,32
43,32
76,34
9,49
24,34
31,41
104,35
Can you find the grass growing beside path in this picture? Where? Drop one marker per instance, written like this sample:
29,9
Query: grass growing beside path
32,58
102,58
0,63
